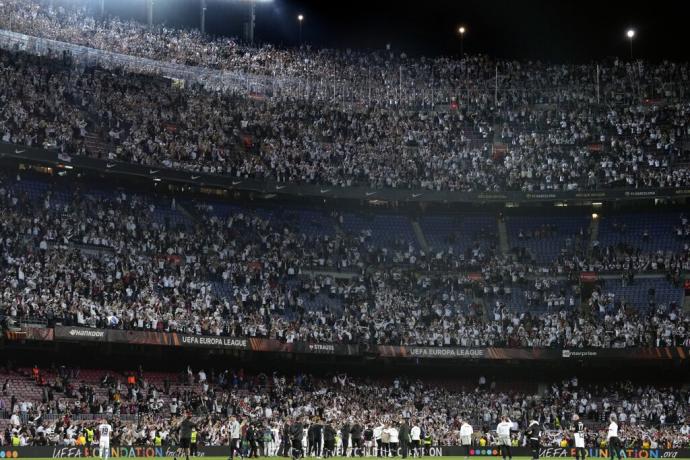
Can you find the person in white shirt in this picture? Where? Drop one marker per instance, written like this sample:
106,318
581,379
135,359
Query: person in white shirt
378,434
234,432
612,438
503,432
104,432
466,432
416,439
274,442
385,441
394,440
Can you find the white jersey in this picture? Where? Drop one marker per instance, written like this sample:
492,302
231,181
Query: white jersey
415,433
466,434
104,432
503,429
613,431
234,429
579,440
393,435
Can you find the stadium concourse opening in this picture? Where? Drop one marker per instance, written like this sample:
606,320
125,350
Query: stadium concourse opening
279,247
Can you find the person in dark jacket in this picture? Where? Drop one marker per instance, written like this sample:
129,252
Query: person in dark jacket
404,438
254,440
296,433
329,440
368,438
285,441
345,436
533,435
356,433
311,438
317,430
185,428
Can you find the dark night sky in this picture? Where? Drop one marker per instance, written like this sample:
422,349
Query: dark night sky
552,30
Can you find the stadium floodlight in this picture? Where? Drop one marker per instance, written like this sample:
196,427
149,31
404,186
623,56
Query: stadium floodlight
630,34
300,19
461,31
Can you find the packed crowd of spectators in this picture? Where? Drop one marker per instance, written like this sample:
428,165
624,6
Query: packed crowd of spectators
115,259
382,76
559,140
143,411
380,118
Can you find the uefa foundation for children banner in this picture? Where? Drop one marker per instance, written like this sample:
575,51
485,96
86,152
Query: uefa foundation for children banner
568,452
223,451
115,452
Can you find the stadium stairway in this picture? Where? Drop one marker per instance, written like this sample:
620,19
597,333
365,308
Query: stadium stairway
503,236
593,234
189,211
338,228
95,145
421,239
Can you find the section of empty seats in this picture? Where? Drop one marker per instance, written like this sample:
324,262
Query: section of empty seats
644,293
545,238
460,233
390,231
641,232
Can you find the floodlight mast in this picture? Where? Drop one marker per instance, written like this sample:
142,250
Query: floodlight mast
249,25
300,19
203,17
461,31
630,34
149,12
252,22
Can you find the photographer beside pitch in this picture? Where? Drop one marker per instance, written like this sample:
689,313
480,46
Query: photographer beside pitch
533,435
